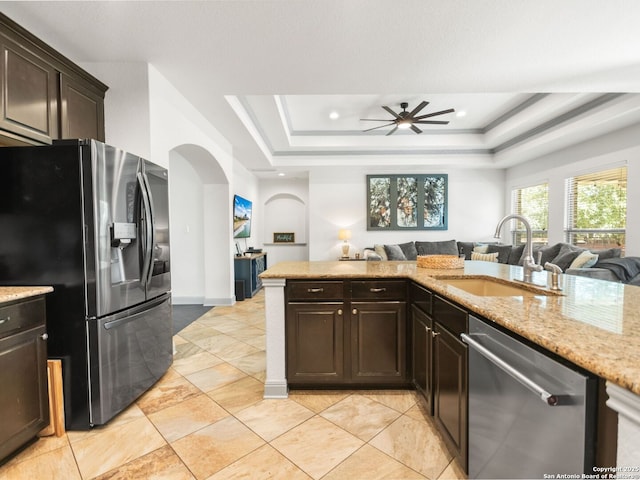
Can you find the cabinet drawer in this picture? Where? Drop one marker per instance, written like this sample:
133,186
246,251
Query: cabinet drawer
23,315
379,290
450,316
315,290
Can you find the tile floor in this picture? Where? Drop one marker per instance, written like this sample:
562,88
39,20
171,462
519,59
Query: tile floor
206,419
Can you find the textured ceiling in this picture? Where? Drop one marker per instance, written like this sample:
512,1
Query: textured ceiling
285,64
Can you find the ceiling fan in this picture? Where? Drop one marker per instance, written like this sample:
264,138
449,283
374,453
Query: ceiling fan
405,120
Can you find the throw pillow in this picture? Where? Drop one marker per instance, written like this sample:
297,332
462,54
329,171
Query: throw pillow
585,260
446,247
409,250
481,248
394,252
379,249
503,252
486,257
568,253
516,253
465,248
548,253
608,253
370,254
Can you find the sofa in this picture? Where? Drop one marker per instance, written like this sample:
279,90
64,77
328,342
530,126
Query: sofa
599,264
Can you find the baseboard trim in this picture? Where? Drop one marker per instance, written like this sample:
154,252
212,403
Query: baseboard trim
277,389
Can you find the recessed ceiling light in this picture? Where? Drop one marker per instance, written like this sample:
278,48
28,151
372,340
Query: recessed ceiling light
461,113
334,115
281,174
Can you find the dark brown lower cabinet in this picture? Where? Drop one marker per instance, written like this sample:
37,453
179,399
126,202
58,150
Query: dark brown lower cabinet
451,391
315,343
24,403
422,353
378,342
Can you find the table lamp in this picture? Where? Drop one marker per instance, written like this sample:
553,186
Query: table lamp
345,235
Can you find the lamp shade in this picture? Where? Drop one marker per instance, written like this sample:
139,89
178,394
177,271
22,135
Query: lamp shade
344,234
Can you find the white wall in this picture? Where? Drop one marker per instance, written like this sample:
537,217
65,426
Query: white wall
609,151
337,201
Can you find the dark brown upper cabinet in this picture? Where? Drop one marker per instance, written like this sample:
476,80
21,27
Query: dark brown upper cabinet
43,95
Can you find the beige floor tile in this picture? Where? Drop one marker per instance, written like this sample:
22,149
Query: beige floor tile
186,417
252,364
318,400
116,446
246,333
414,443
361,416
199,332
400,400
41,446
212,448
131,413
162,463
271,418
194,363
235,351
217,343
317,446
52,465
369,463
216,376
258,342
453,472
185,350
228,325
418,412
265,463
167,393
238,395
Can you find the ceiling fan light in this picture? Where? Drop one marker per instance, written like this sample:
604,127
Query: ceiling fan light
404,125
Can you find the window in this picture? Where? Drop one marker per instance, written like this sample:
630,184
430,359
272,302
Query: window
533,204
597,209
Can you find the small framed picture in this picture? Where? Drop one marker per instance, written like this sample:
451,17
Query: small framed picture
284,237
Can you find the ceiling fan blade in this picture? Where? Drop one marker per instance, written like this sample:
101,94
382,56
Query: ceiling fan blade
381,126
392,113
417,109
432,122
415,129
375,120
392,131
441,112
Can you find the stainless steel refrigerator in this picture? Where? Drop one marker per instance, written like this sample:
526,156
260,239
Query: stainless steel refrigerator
92,221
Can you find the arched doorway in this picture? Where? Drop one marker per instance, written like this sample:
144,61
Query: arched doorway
200,228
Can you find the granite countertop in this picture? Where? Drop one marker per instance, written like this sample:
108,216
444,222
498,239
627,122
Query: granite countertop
8,294
594,323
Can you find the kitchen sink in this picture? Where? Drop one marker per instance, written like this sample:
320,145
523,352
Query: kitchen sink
491,287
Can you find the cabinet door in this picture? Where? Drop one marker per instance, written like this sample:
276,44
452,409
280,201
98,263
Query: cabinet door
315,343
29,94
378,348
24,404
422,328
450,390
81,110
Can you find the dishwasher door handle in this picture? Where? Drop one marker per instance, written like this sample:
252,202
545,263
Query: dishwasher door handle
546,397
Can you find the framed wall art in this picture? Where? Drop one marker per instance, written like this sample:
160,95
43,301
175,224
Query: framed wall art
407,202
284,237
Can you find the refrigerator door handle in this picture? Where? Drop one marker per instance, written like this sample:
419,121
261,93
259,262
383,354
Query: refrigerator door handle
147,247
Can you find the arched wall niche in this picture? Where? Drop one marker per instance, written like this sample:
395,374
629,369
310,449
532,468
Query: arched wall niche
200,227
286,212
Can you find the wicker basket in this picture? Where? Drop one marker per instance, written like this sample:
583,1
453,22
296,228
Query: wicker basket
440,261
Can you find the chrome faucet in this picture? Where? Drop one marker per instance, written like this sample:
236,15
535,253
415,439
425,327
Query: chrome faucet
528,265
555,271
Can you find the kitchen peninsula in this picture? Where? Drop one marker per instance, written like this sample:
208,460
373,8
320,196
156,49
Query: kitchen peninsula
593,324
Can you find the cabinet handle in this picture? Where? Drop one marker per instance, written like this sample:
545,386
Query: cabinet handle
427,329
377,290
44,336
435,334
4,320
315,290
354,311
339,311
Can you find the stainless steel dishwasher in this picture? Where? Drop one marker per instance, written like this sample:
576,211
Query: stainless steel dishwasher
529,415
